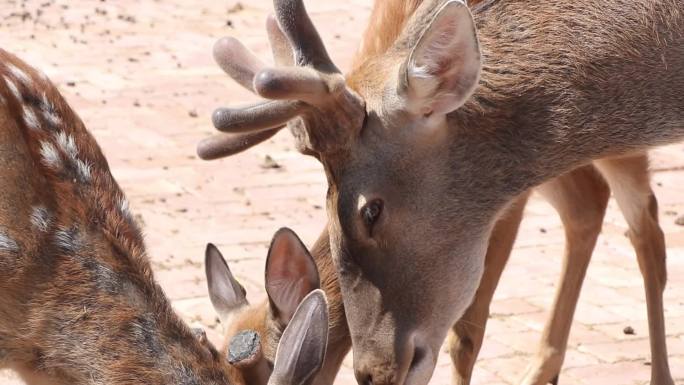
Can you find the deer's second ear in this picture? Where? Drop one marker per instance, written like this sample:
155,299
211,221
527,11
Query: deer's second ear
291,274
301,350
443,68
225,292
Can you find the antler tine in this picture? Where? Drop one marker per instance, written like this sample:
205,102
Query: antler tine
237,61
256,117
221,146
305,85
281,49
295,83
302,35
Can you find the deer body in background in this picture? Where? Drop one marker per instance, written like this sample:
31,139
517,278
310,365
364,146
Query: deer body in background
79,304
427,144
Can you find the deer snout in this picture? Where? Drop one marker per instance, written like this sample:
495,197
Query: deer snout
379,374
392,364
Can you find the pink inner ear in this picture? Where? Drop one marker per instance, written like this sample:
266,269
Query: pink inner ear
290,273
444,66
287,292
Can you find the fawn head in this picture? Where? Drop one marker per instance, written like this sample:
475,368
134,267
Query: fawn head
409,215
252,333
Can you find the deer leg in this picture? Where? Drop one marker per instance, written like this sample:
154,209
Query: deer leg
580,197
629,179
465,337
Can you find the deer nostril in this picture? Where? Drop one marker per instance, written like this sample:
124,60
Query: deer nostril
364,377
418,356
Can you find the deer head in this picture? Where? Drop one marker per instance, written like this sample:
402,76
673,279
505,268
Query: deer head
253,332
410,201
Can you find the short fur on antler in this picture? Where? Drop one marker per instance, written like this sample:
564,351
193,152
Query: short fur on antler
310,97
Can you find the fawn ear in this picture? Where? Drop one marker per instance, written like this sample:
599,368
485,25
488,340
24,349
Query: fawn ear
225,292
291,274
301,350
444,66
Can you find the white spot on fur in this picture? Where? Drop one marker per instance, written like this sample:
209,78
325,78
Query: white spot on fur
83,170
67,144
40,218
30,118
19,73
64,240
12,87
8,244
125,206
50,155
67,239
49,113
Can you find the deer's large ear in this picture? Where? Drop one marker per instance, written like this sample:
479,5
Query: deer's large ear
225,292
291,274
301,350
444,66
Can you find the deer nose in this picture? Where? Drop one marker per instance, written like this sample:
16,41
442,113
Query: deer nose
413,364
376,376
383,366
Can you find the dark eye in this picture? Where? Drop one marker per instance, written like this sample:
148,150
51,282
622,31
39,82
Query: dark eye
370,212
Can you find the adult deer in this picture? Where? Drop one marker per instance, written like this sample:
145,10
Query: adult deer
443,131
252,332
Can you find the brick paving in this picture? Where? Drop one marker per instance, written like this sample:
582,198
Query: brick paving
141,76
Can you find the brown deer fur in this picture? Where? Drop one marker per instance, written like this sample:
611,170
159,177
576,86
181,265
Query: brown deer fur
386,21
79,303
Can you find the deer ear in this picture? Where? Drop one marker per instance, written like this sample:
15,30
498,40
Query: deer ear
301,350
225,292
443,68
291,274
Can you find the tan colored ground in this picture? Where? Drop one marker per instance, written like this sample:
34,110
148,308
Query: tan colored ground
141,75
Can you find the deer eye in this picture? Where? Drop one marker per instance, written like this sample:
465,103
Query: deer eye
370,212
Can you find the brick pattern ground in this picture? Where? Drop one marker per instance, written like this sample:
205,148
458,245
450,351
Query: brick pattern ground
141,76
